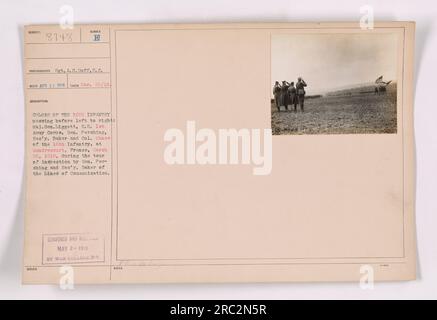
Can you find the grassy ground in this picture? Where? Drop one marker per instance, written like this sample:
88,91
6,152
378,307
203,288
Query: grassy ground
359,113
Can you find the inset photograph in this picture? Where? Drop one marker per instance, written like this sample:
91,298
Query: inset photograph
334,83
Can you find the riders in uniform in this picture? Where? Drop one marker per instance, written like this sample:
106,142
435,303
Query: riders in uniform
300,87
283,98
276,93
292,95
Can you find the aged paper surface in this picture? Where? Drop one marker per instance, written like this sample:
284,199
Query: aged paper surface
129,177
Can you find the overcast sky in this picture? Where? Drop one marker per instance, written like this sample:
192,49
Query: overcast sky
330,61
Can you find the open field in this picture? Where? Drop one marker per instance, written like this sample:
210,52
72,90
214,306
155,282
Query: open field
355,113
